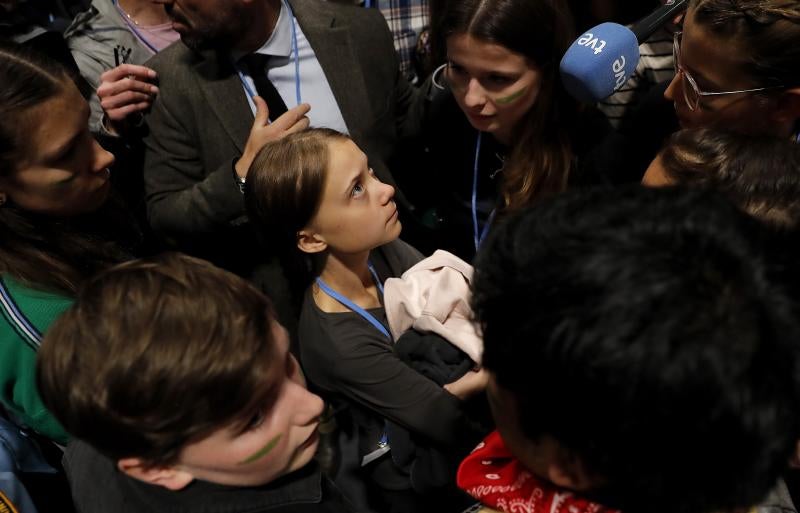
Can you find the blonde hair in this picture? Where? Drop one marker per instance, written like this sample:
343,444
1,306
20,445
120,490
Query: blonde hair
759,174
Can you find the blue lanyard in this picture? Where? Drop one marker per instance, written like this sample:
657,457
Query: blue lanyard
354,307
478,235
298,96
133,28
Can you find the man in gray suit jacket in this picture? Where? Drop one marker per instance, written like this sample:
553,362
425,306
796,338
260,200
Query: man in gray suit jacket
202,134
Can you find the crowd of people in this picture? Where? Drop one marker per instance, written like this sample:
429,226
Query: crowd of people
310,255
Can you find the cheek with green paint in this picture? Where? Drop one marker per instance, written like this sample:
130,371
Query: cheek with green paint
268,447
506,100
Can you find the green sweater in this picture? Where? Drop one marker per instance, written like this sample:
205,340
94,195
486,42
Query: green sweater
18,391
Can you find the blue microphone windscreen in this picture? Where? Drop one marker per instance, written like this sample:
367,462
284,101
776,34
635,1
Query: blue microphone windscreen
599,62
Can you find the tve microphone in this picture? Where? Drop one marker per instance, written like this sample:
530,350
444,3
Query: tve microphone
599,62
603,59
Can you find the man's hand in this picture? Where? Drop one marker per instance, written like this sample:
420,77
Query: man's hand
126,90
293,120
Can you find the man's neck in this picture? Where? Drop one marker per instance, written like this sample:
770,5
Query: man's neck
264,19
144,13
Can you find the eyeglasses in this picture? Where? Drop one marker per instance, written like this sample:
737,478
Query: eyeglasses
691,93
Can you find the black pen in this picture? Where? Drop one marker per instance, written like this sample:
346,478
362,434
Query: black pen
116,56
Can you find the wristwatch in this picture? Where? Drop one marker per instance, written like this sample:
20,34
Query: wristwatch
240,181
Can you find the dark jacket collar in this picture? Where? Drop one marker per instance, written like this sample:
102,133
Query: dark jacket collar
301,487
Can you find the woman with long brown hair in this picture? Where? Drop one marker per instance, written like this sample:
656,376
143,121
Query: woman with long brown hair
58,222
503,132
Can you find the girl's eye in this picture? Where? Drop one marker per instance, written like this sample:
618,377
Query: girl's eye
85,141
358,190
499,80
255,421
68,180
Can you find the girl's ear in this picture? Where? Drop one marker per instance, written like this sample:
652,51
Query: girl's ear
310,242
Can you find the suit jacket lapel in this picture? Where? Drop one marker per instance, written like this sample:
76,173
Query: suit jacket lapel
223,90
328,36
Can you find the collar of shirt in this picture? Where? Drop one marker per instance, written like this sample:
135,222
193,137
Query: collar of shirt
279,43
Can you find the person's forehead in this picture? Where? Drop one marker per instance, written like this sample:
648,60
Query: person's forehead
279,352
711,57
55,121
280,338
474,52
346,161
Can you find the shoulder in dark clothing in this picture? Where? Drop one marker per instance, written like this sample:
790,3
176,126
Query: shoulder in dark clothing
397,256
592,127
98,487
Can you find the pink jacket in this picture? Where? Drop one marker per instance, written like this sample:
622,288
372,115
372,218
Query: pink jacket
433,296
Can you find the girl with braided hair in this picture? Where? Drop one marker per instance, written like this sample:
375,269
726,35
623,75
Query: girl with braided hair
738,66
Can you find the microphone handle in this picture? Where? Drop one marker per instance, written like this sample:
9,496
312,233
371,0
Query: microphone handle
645,27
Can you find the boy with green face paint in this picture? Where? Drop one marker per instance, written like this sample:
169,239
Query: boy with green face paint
182,395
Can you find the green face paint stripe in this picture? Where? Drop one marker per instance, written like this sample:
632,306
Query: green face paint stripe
510,98
261,452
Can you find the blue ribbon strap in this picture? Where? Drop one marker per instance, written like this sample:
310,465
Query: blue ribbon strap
354,307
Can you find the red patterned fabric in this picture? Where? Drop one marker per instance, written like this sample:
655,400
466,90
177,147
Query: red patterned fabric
494,477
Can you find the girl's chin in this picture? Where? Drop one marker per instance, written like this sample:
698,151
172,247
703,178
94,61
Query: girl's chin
393,233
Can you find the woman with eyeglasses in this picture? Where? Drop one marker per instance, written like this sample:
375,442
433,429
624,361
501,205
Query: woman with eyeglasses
738,66
503,133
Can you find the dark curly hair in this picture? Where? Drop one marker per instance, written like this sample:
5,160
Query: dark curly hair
639,328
